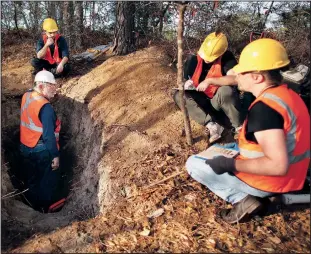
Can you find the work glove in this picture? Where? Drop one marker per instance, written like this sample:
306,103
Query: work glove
221,164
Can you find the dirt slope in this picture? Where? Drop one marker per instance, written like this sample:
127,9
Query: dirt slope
142,148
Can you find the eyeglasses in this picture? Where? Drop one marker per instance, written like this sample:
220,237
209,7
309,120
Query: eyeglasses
47,83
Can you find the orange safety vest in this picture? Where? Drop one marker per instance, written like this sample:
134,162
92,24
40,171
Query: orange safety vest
30,125
214,72
297,130
48,55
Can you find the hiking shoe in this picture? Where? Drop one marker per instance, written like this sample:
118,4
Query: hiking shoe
248,205
214,130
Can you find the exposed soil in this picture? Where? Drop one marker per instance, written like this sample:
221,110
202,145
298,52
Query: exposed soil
123,146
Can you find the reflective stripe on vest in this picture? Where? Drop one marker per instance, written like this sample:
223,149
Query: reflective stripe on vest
290,137
31,125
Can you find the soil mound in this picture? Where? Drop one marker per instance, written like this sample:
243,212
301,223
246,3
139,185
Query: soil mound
129,189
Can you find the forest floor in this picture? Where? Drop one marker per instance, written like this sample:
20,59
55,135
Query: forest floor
154,205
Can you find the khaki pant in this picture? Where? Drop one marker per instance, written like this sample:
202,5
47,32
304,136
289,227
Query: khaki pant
224,108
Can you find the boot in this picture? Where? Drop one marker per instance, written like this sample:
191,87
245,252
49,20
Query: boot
248,205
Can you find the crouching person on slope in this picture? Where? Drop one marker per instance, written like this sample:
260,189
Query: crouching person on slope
274,142
214,98
52,51
39,136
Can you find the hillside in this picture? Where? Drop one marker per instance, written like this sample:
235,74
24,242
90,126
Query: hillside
123,144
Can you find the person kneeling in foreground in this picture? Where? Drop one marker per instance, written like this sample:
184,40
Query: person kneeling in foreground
274,143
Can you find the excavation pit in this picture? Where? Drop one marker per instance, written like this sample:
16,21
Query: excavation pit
80,142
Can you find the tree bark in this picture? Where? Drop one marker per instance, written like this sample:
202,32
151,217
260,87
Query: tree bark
35,18
68,16
266,17
93,16
60,20
51,10
180,84
163,11
15,20
124,41
20,4
78,24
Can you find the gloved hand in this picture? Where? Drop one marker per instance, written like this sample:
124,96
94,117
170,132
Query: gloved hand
221,164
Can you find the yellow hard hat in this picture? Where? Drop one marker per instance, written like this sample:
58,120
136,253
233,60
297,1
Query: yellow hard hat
262,55
213,47
50,25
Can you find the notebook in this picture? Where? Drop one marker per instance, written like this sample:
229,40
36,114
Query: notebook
216,150
192,88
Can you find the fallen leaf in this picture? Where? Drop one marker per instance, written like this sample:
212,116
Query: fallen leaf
212,242
145,232
275,239
269,250
190,197
156,213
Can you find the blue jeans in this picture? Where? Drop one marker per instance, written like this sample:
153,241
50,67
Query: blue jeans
38,176
227,186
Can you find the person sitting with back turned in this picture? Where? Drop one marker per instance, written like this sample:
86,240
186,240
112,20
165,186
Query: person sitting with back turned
52,51
274,142
214,97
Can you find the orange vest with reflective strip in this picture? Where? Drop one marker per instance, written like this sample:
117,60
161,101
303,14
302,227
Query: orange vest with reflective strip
214,72
30,125
48,55
297,131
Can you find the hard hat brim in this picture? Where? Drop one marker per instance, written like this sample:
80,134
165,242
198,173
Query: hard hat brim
238,69
52,30
205,58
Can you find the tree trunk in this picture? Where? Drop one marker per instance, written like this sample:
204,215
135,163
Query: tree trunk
124,41
78,24
180,84
93,16
36,27
20,4
68,16
85,9
60,20
266,17
15,20
51,10
163,11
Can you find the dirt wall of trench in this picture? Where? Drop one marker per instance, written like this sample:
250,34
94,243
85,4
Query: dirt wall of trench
81,141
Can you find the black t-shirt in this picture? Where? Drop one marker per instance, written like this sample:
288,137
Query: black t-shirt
228,61
61,43
262,117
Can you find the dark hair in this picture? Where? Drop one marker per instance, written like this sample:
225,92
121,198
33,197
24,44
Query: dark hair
218,31
275,77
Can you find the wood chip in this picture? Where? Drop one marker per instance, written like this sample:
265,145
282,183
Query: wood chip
156,213
275,239
145,232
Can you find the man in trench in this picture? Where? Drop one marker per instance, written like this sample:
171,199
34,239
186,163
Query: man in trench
39,137
214,97
274,143
52,51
